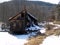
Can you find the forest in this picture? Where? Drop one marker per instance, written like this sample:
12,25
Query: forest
41,10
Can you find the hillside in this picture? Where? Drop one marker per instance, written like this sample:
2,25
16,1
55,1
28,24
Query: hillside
41,3
40,10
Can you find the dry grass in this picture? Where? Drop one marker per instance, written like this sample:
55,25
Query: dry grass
39,39
53,32
56,22
36,41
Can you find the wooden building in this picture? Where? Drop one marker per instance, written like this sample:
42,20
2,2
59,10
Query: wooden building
21,21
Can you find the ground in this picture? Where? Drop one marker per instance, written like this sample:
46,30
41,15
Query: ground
8,39
50,35
39,39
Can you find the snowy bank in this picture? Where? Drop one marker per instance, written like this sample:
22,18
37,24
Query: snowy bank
51,40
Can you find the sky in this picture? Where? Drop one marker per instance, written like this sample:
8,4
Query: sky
50,1
1,1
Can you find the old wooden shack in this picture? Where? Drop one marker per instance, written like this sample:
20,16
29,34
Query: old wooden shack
21,21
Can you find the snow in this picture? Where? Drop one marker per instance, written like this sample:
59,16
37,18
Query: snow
57,26
43,30
51,40
8,39
39,28
51,23
42,23
34,27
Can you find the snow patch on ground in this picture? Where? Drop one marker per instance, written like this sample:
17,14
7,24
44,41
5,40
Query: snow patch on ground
43,30
7,39
57,26
51,40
